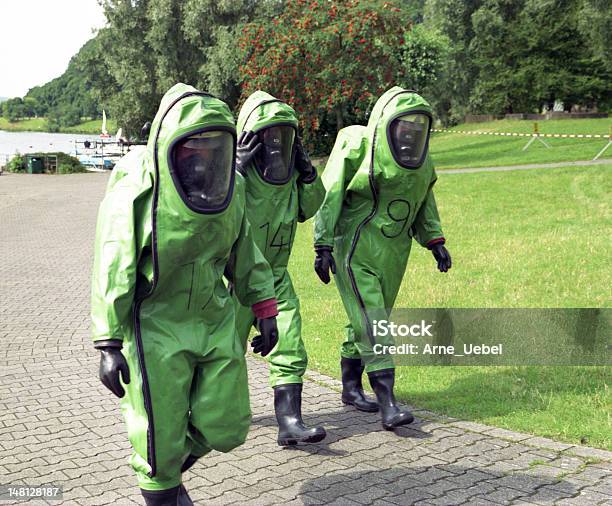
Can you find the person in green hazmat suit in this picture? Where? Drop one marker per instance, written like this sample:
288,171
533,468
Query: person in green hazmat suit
172,220
282,189
379,196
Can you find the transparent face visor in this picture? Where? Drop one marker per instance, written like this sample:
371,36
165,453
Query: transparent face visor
408,135
202,165
273,160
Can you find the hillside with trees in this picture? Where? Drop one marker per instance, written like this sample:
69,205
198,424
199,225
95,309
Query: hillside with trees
331,60
70,97
65,100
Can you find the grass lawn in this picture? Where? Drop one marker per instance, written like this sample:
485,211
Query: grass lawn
537,238
40,125
456,151
25,125
452,151
93,126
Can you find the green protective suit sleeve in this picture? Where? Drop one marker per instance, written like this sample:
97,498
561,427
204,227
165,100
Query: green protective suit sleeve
339,170
427,226
251,274
310,197
118,246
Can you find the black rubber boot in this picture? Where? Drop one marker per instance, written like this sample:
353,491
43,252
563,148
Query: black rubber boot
288,408
352,388
176,496
189,461
392,415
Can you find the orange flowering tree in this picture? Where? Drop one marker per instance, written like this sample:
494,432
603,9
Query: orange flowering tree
330,60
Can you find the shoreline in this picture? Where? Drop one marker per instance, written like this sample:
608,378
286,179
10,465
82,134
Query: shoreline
39,125
76,132
43,131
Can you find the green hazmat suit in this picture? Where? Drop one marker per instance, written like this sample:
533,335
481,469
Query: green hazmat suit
373,208
158,289
274,209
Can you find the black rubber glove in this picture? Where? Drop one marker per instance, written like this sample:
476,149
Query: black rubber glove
324,262
112,362
248,145
303,164
442,256
264,342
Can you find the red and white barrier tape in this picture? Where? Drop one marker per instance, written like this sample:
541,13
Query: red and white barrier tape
514,134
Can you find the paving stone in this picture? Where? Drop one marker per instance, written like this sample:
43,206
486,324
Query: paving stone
593,453
410,496
546,495
542,442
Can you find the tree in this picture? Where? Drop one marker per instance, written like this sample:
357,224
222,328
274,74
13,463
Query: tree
220,74
215,25
516,55
332,60
545,57
131,92
176,53
13,109
453,19
595,23
425,57
149,45
16,108
30,107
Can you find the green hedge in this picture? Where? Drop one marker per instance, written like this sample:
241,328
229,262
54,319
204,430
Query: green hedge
16,164
66,164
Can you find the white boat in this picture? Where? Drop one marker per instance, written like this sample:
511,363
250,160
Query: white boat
95,162
104,134
100,154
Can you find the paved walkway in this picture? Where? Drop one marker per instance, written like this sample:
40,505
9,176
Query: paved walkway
59,425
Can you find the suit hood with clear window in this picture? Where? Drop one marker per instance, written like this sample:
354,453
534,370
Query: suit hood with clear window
274,161
201,167
408,136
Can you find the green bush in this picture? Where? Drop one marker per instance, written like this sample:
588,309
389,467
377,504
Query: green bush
16,164
66,164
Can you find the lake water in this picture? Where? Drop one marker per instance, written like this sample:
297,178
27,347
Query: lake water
32,142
